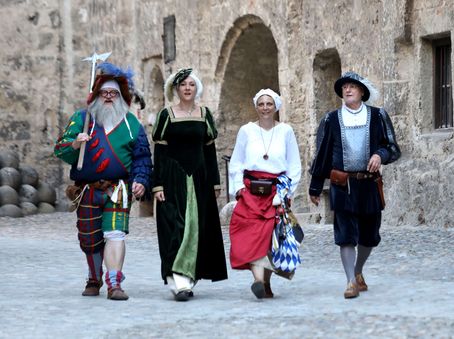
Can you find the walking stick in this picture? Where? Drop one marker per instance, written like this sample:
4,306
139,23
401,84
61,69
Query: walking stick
94,59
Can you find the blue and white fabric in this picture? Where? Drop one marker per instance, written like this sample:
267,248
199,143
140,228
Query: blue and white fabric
287,234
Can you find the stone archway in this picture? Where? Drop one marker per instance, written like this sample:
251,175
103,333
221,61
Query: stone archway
327,69
247,63
154,94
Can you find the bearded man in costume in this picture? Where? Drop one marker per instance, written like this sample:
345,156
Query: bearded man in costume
353,142
117,166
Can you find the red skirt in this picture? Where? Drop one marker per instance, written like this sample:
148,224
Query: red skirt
251,225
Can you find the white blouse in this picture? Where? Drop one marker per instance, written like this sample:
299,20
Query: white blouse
281,147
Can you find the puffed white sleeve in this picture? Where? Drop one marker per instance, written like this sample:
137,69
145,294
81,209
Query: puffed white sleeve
236,165
293,161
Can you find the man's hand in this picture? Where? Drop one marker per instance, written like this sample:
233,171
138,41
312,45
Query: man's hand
374,163
217,193
315,200
138,190
81,137
160,196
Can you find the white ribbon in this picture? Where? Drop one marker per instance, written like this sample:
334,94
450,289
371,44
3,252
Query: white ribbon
121,187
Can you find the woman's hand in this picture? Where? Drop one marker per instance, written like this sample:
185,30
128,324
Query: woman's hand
217,192
159,196
315,200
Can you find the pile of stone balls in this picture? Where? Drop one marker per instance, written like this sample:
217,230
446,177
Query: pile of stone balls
21,191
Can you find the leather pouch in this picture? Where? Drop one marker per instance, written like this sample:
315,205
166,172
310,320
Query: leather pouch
261,187
73,191
338,177
379,182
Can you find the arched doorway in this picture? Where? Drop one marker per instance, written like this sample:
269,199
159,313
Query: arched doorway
327,69
154,94
247,63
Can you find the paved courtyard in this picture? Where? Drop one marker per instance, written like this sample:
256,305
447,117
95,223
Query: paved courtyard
410,275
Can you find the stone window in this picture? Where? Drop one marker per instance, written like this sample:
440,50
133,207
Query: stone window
442,89
169,39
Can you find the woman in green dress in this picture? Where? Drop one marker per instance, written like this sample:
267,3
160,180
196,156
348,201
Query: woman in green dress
186,184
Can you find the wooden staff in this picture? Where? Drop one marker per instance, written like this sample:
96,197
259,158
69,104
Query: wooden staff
94,59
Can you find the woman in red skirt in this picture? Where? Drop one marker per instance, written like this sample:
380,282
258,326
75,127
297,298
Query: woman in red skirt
264,149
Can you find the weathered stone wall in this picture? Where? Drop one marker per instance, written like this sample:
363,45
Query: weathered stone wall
296,47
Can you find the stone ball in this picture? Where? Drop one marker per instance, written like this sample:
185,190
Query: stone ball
10,210
28,208
11,177
8,196
45,207
47,193
9,159
29,175
28,193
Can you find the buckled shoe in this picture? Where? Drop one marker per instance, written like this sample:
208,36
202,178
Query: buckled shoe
351,291
116,293
361,283
92,288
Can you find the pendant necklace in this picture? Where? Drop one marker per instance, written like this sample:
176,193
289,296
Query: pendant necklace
189,113
265,156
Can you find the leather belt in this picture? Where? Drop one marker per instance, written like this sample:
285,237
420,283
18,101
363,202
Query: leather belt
363,175
250,177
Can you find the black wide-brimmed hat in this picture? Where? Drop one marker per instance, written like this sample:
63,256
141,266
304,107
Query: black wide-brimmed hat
355,78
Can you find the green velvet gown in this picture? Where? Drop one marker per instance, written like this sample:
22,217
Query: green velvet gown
185,167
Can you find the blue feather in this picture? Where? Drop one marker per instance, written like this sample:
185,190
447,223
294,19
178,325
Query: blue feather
108,68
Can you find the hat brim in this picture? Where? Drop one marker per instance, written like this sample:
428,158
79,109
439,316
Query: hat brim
341,81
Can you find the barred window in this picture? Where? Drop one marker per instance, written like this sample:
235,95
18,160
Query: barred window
442,83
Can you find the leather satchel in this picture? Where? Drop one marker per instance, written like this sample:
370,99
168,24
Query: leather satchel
338,177
261,187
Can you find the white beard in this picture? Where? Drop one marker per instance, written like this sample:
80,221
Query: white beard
110,115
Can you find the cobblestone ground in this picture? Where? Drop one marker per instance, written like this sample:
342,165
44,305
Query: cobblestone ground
410,275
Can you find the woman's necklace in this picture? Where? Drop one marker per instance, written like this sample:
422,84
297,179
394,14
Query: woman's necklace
189,113
265,156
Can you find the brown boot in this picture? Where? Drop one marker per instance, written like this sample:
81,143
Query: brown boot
268,292
351,291
361,283
92,288
116,293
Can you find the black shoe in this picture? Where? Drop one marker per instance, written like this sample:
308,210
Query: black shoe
183,295
258,288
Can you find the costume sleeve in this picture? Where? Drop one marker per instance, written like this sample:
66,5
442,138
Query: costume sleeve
63,147
236,165
142,166
322,163
293,161
210,151
389,150
160,149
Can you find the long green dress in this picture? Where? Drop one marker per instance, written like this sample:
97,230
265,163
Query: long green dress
185,167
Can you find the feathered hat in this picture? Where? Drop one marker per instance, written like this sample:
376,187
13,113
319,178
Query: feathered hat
107,72
176,78
370,92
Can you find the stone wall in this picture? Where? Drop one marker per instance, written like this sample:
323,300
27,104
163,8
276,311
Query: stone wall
296,47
